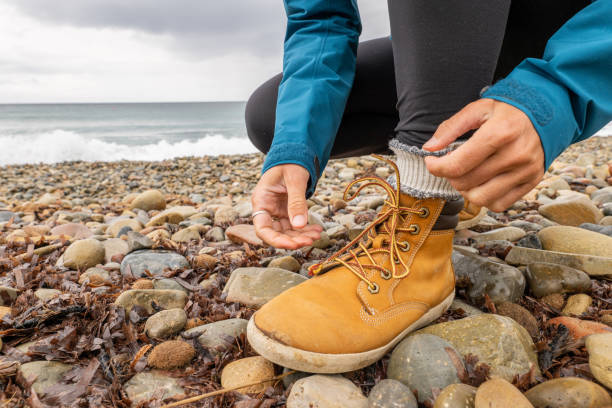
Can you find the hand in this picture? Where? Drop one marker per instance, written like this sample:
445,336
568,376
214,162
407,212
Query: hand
281,192
499,164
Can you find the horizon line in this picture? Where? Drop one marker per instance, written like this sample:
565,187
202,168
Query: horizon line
113,103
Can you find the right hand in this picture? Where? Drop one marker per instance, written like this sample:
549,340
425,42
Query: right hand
281,191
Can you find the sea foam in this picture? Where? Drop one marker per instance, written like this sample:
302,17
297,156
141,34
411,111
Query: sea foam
59,145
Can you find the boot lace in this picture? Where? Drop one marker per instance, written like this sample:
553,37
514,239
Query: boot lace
389,221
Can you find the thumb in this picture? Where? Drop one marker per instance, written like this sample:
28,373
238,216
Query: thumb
471,117
296,200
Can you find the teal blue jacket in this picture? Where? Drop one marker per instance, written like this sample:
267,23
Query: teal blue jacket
567,93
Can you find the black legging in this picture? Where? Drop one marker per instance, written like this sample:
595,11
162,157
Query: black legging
442,53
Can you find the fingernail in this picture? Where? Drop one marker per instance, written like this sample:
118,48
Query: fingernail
298,221
430,143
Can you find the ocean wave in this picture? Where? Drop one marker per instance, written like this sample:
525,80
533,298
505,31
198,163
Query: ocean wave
59,145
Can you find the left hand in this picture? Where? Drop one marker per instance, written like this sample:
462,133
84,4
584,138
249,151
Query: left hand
499,164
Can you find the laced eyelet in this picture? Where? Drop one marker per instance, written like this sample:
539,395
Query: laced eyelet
424,212
373,289
396,260
415,229
386,275
404,246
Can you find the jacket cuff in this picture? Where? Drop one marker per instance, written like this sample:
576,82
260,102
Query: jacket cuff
546,103
295,153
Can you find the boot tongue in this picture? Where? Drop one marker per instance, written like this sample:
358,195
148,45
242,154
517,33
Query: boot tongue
407,200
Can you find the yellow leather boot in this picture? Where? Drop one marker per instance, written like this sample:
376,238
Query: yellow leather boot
394,278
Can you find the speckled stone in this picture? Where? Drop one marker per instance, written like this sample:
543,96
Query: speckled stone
577,305
456,396
333,391
499,393
391,394
545,279
154,261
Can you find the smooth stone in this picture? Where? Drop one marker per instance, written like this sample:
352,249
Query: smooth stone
218,336
600,228
323,242
530,241
242,233
520,315
48,199
421,353
592,265
499,393
158,235
580,328
45,374
546,278
498,341
391,394
504,233
143,385
602,197
136,241
599,347
292,378
186,235
456,396
149,200
6,216
172,215
165,323
466,307
501,282
166,299
225,215
209,282
169,284
288,263
74,230
575,240
256,286
95,276
84,254
571,210
577,305
154,261
329,391
337,231
7,295
568,392
45,294
601,192
244,209
555,183
215,234
113,247
246,371
115,228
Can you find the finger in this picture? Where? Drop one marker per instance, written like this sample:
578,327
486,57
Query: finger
471,117
285,224
279,240
296,199
312,235
498,163
513,196
466,157
497,188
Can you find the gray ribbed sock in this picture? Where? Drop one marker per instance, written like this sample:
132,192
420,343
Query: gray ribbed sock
415,179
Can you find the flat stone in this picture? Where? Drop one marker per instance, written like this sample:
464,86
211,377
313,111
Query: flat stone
520,315
84,254
326,391
172,215
243,233
186,235
45,374
117,226
499,393
501,282
577,305
169,284
45,294
592,265
95,276
6,216
530,241
422,353
7,295
72,229
498,341
288,263
166,299
154,261
526,225
580,328
504,233
456,396
571,210
246,371
215,234
574,240
143,385
546,278
323,242
256,286
136,241
599,347
149,200
568,392
209,282
600,228
218,336
466,307
166,323
391,394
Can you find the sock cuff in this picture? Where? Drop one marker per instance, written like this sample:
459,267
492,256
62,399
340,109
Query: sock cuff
415,179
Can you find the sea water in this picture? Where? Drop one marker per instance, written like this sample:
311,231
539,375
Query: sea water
51,133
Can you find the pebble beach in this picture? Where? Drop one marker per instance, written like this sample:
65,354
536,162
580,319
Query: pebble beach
130,284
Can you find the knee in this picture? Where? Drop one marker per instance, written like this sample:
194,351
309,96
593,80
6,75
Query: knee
260,114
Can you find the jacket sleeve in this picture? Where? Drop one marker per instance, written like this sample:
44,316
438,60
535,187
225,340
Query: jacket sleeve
567,93
318,71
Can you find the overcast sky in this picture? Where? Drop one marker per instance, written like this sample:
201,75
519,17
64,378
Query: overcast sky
145,50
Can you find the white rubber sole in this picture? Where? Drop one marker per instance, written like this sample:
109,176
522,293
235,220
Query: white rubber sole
321,363
472,221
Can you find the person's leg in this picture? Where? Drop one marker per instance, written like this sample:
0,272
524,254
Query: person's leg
370,115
